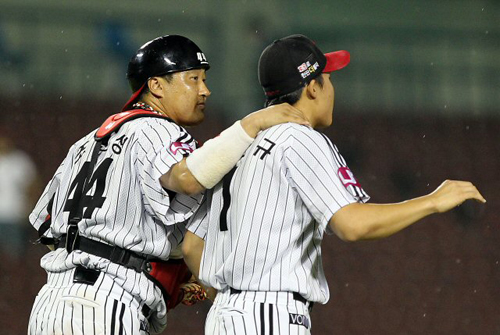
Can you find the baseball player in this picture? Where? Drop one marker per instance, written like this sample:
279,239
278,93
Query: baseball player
257,237
113,213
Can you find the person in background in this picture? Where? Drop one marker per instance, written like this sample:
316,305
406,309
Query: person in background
18,180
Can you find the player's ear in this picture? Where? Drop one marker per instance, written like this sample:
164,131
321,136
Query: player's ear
155,85
312,89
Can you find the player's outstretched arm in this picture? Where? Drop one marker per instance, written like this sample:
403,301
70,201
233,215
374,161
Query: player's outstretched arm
206,166
272,116
371,221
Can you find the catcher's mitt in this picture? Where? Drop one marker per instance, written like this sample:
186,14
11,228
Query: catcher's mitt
177,282
192,292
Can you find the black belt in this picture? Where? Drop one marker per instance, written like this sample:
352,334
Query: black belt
90,276
296,296
115,254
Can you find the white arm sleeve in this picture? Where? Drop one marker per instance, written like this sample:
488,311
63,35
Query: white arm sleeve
210,163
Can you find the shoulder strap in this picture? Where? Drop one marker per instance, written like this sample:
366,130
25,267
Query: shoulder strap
114,122
46,225
75,206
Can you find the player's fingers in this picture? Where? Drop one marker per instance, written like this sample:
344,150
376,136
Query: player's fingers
297,114
294,109
287,108
462,183
466,187
296,119
464,191
473,193
287,113
453,193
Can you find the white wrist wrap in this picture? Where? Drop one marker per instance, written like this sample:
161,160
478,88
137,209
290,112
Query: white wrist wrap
218,155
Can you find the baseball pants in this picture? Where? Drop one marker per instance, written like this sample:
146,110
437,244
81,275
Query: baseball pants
258,313
77,308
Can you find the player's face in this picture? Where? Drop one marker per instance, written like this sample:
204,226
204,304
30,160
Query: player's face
327,98
185,97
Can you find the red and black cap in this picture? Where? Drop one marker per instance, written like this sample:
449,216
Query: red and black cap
161,56
292,62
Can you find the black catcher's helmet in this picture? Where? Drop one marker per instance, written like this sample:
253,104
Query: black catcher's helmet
158,57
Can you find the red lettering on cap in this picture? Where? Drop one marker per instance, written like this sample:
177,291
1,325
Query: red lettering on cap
272,92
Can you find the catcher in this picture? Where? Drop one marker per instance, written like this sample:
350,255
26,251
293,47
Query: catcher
114,212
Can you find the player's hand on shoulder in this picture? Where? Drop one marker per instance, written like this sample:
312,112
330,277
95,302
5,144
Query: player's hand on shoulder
271,116
452,193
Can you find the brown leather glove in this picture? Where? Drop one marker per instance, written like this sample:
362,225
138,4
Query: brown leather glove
192,292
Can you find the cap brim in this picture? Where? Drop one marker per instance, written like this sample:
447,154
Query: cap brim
336,60
133,98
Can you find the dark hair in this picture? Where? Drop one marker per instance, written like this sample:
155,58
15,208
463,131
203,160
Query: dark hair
292,97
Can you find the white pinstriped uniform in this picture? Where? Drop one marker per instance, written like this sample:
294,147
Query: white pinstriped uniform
137,214
283,193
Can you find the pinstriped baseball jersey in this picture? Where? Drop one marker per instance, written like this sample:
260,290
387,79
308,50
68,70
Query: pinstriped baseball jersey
126,205
263,225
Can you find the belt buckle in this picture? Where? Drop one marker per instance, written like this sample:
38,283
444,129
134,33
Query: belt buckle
71,238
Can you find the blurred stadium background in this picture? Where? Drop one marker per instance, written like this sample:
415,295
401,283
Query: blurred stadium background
418,104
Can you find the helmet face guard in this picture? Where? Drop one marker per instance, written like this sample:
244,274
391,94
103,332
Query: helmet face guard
161,56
